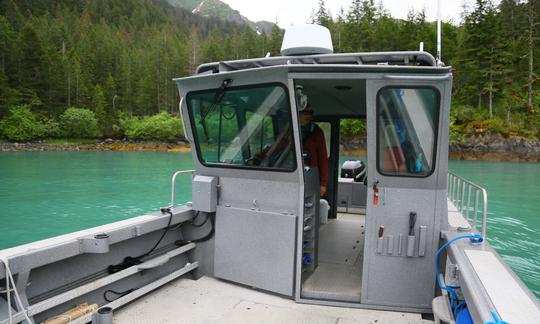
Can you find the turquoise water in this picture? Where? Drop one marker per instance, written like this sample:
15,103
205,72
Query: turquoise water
513,226
43,194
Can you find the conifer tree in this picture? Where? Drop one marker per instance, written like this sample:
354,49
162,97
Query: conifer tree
98,107
321,16
31,77
276,38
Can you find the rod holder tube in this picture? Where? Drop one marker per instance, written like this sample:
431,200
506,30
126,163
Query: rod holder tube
380,244
410,245
390,244
422,241
104,315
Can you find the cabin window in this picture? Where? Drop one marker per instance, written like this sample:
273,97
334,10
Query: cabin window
407,120
247,127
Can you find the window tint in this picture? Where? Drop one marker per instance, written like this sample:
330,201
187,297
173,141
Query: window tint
243,127
407,121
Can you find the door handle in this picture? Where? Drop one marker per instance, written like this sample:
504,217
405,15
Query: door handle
379,194
375,192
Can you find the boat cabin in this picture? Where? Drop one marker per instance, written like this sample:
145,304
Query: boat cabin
377,247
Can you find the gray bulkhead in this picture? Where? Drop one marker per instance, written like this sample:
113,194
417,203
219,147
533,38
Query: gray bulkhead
259,214
400,274
257,211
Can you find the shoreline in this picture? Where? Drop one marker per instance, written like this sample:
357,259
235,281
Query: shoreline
468,155
513,149
116,146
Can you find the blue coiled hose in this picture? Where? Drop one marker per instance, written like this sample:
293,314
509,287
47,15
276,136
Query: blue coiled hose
475,238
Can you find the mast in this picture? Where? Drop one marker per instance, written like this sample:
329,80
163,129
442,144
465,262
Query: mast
439,31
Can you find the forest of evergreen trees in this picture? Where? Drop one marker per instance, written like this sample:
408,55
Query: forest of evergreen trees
114,61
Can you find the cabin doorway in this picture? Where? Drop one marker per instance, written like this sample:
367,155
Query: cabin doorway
338,274
332,254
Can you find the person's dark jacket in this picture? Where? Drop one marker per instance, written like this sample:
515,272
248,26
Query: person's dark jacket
317,157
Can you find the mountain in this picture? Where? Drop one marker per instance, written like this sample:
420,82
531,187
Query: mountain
221,10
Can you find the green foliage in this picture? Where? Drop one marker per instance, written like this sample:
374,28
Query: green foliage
274,42
212,50
52,128
119,57
161,127
79,123
322,16
21,126
352,128
98,106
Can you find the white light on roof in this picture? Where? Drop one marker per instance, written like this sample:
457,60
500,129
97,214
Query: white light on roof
306,40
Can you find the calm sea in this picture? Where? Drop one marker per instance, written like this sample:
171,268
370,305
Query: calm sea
43,194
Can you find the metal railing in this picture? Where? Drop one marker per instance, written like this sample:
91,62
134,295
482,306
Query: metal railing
460,192
171,206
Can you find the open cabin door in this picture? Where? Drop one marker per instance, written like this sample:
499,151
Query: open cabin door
243,130
406,201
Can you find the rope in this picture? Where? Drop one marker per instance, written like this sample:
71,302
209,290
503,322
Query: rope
9,277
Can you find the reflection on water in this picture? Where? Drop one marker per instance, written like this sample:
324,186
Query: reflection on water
44,194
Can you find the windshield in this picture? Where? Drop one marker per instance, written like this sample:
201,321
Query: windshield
247,127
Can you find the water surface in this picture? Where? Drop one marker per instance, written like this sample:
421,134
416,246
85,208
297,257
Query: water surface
44,194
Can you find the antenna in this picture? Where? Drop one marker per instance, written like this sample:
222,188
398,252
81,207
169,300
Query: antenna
439,31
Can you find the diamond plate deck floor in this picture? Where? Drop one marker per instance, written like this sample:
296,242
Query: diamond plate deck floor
212,301
339,274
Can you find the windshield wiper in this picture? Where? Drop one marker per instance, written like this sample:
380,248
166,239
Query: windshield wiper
218,97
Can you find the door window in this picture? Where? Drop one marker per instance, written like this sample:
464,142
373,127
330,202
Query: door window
247,127
407,120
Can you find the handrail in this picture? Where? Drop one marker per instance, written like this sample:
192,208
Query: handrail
171,206
457,186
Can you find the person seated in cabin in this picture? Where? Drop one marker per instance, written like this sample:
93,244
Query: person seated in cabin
276,154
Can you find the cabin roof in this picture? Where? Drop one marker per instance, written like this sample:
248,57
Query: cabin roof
410,59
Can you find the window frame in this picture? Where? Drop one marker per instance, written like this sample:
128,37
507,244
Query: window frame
193,127
436,123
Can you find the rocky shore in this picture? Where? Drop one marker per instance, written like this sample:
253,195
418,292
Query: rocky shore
495,147
105,145
488,147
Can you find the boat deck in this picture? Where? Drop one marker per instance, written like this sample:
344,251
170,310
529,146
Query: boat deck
210,300
339,273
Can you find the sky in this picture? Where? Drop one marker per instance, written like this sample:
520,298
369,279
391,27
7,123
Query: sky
296,12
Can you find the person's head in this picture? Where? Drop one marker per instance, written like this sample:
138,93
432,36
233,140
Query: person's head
306,116
304,109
